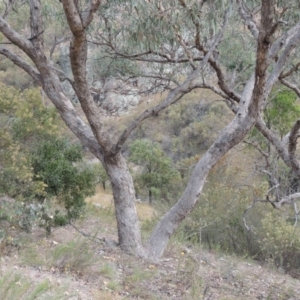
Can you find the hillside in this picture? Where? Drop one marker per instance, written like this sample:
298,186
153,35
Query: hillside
68,265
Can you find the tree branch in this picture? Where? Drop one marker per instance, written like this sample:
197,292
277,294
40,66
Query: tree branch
279,146
291,86
20,62
247,18
78,58
8,8
175,94
140,56
56,42
286,200
263,153
17,39
283,40
294,135
290,72
285,53
88,14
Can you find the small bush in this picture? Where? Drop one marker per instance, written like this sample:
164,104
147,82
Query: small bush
279,241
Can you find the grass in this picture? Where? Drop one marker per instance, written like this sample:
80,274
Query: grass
108,270
113,275
74,257
113,286
14,286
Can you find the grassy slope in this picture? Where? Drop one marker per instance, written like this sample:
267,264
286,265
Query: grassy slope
69,265
94,268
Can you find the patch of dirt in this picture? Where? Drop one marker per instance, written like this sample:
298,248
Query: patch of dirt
104,199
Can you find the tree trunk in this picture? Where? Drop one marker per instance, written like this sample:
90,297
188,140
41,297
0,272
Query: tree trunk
124,199
150,197
232,135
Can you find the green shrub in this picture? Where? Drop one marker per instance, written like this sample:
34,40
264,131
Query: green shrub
279,241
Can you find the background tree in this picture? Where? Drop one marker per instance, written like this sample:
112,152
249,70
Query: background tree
100,175
157,172
179,34
55,162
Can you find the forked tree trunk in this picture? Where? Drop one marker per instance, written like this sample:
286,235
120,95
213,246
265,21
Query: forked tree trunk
231,136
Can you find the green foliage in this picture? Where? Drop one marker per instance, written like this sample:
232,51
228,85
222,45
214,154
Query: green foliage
279,241
23,120
195,126
101,176
282,111
35,162
53,162
157,173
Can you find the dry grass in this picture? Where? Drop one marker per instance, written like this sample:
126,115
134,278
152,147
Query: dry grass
104,199
96,270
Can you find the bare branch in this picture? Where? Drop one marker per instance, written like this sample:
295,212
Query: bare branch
277,70
8,8
16,38
144,56
175,94
56,43
73,17
294,135
221,78
20,62
88,14
263,153
78,58
247,18
172,98
187,51
283,40
291,86
296,213
64,76
287,200
290,72
37,29
279,146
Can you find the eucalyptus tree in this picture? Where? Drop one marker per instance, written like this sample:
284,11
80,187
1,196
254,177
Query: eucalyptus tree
178,44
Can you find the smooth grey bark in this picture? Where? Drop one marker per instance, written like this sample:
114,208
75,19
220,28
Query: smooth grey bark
232,134
124,199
